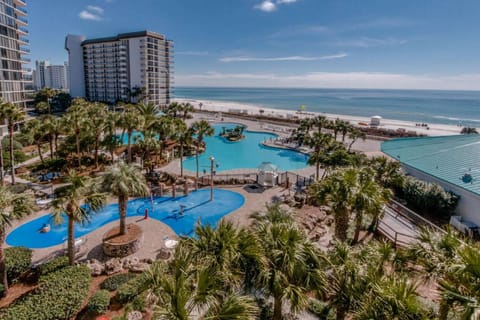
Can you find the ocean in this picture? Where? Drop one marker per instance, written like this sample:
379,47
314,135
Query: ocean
426,106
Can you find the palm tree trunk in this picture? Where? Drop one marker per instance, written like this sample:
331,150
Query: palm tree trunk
71,242
181,159
2,169
56,143
96,151
196,160
358,226
129,147
444,308
277,309
3,269
317,170
122,210
341,224
12,154
77,142
39,148
51,147
341,312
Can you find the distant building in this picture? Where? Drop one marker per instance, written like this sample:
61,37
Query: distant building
450,161
13,48
127,67
50,76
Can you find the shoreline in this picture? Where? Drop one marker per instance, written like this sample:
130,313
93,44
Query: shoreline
434,129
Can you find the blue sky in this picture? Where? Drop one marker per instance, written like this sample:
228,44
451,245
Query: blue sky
404,44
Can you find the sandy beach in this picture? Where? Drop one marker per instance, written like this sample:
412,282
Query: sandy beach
250,109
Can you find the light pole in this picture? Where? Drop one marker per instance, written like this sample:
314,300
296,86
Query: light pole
212,159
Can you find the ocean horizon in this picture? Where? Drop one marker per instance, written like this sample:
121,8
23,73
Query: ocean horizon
424,106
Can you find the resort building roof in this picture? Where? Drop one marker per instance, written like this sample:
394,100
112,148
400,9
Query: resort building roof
452,159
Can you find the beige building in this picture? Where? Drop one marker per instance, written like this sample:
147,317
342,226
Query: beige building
126,67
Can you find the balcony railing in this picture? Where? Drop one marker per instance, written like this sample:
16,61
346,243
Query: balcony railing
22,10
23,49
23,20
24,40
23,30
26,60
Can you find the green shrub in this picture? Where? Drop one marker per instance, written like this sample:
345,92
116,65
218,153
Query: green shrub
59,295
139,302
318,308
112,283
129,290
54,265
99,302
17,261
428,198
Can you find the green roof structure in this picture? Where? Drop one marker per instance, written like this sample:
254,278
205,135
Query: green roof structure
452,159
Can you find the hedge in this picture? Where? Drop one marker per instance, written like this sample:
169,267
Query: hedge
99,302
17,261
53,265
114,282
129,290
59,295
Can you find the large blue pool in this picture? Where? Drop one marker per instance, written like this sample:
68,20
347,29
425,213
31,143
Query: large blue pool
197,208
248,153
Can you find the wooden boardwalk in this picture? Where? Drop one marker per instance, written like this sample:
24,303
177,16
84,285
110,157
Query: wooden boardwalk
397,228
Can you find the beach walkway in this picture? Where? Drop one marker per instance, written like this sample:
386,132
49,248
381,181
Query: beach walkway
397,228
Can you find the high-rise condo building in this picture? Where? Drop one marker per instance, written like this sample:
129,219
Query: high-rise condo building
127,67
50,76
13,48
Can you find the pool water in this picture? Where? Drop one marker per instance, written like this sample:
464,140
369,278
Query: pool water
197,208
247,153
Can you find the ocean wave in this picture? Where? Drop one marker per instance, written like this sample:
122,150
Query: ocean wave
456,119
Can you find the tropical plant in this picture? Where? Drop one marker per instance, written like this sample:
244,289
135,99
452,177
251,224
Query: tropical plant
183,136
12,206
129,121
74,122
123,181
201,129
34,132
12,114
293,265
76,201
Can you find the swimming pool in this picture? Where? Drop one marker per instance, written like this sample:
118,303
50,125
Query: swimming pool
196,207
248,153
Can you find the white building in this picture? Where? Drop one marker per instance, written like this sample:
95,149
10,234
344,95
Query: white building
13,48
50,76
126,67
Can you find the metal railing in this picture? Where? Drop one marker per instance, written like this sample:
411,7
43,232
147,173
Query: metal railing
413,217
231,179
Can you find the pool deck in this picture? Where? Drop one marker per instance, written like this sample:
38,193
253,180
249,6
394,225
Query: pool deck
154,230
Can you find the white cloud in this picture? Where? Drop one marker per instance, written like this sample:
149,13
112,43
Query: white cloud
272,5
289,58
366,42
267,6
360,80
85,15
93,13
95,9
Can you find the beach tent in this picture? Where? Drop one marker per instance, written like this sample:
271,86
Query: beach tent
267,174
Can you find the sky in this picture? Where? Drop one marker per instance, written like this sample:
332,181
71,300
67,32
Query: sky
384,44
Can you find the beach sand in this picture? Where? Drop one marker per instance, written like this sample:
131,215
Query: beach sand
250,109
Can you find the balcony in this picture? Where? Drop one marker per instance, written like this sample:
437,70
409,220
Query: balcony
22,21
21,3
22,31
23,41
21,11
26,60
24,50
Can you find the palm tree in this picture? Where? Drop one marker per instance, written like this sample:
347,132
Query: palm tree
186,108
165,129
354,135
368,198
54,128
12,206
123,181
293,266
110,139
189,290
201,129
97,122
12,114
36,134
77,200
320,143
337,192
74,123
130,120
184,136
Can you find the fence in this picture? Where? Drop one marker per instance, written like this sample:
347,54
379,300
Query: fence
231,179
293,178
